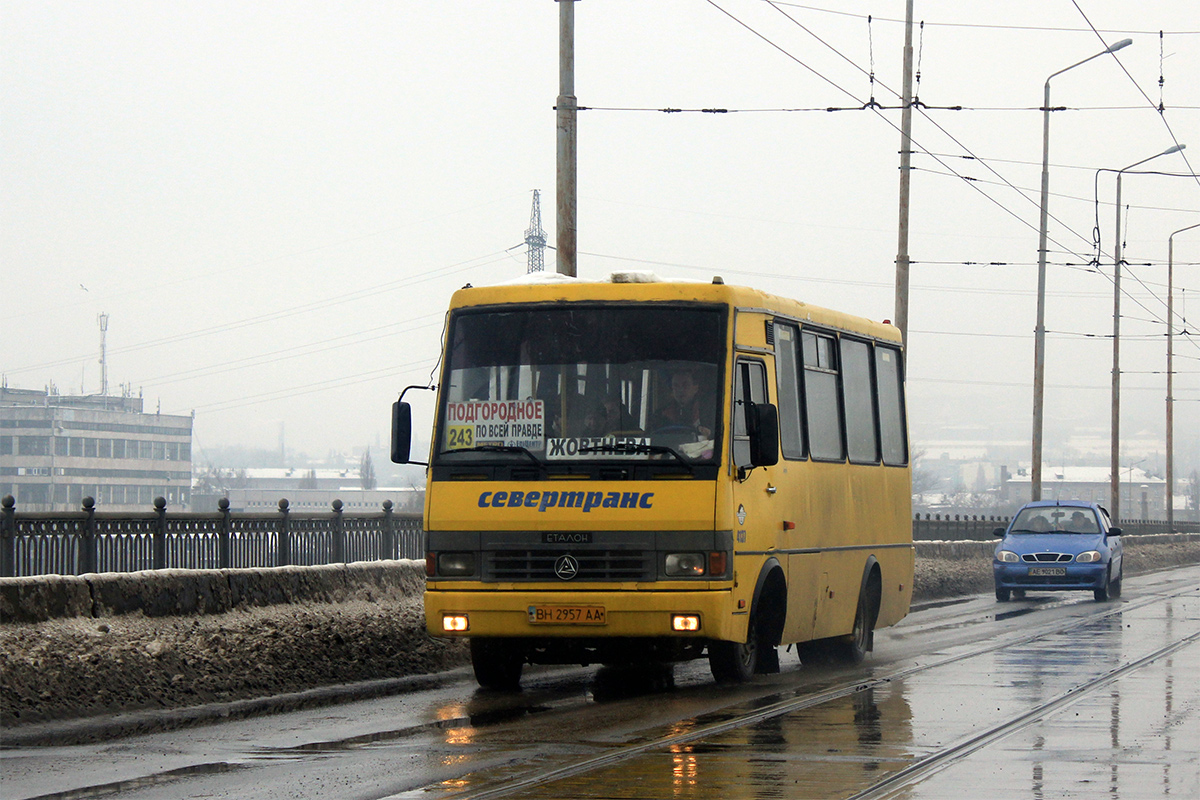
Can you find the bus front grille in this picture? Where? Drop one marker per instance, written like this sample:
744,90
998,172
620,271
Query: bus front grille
593,565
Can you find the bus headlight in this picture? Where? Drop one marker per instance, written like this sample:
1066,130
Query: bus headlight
455,565
680,565
1089,557
1008,557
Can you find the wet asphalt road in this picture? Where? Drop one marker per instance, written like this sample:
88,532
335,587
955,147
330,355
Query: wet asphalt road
1053,696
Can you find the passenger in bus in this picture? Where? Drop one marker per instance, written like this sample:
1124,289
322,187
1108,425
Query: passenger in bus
688,406
608,417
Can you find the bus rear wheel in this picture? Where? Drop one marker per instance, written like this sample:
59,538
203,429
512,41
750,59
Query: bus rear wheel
497,664
852,648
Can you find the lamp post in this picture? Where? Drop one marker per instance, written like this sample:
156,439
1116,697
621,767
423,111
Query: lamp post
1129,491
1039,336
1114,463
1170,377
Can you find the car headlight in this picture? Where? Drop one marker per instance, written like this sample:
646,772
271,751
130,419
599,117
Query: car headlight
455,565
1089,557
684,564
1008,557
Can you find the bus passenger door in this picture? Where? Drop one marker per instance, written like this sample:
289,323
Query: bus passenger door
758,522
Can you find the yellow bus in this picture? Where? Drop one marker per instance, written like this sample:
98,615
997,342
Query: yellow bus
631,470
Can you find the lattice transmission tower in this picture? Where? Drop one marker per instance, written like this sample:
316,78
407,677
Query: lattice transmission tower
535,237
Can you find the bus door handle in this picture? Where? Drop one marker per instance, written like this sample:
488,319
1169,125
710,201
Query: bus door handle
771,489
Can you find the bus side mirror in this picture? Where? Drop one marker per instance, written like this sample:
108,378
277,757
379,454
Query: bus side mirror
764,435
401,432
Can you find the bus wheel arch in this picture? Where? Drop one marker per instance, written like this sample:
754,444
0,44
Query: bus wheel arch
737,662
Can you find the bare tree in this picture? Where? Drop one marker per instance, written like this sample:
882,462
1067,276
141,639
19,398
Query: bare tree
366,471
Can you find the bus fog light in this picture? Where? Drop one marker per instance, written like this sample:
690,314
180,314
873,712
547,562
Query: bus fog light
685,622
455,623
685,564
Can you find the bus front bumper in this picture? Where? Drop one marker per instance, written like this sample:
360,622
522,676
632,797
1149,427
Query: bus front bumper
584,614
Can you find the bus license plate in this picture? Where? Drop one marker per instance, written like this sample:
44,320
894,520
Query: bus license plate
1048,571
567,615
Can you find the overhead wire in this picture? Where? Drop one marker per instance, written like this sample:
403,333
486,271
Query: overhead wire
1161,112
775,5
983,26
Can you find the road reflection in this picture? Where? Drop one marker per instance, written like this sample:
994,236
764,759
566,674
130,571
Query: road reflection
829,750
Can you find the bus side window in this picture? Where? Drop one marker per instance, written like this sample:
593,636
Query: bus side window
858,398
822,398
757,373
787,379
889,382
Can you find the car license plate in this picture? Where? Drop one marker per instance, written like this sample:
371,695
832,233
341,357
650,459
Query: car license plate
1048,571
567,615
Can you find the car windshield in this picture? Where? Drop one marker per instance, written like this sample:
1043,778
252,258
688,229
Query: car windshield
587,383
1055,519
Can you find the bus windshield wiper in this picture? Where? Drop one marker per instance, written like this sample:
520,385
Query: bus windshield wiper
631,448
496,448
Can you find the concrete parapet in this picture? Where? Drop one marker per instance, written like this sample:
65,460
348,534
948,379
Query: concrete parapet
43,597
181,592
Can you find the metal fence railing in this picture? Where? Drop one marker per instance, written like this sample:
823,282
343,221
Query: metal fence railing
981,527
77,542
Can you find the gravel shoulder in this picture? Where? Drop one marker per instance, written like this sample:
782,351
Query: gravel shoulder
79,668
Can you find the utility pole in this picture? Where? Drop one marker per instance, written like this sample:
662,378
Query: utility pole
1170,377
103,319
905,178
535,237
566,113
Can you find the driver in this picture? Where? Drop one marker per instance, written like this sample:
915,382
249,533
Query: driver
686,406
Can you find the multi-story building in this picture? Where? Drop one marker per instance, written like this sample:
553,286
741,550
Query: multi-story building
56,450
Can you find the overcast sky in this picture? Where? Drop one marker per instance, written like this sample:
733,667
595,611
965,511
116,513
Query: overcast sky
273,201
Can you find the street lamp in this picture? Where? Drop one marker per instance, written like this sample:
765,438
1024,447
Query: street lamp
1170,377
1114,465
1129,492
1039,337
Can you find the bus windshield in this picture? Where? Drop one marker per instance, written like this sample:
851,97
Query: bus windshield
583,383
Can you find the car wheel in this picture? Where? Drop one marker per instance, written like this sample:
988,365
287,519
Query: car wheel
1102,593
1114,587
1002,595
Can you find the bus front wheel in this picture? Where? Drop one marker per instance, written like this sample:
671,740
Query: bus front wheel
735,662
497,664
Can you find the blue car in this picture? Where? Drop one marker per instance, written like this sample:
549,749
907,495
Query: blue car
1058,545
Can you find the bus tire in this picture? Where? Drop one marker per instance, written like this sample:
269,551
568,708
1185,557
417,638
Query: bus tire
735,662
854,648
497,664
